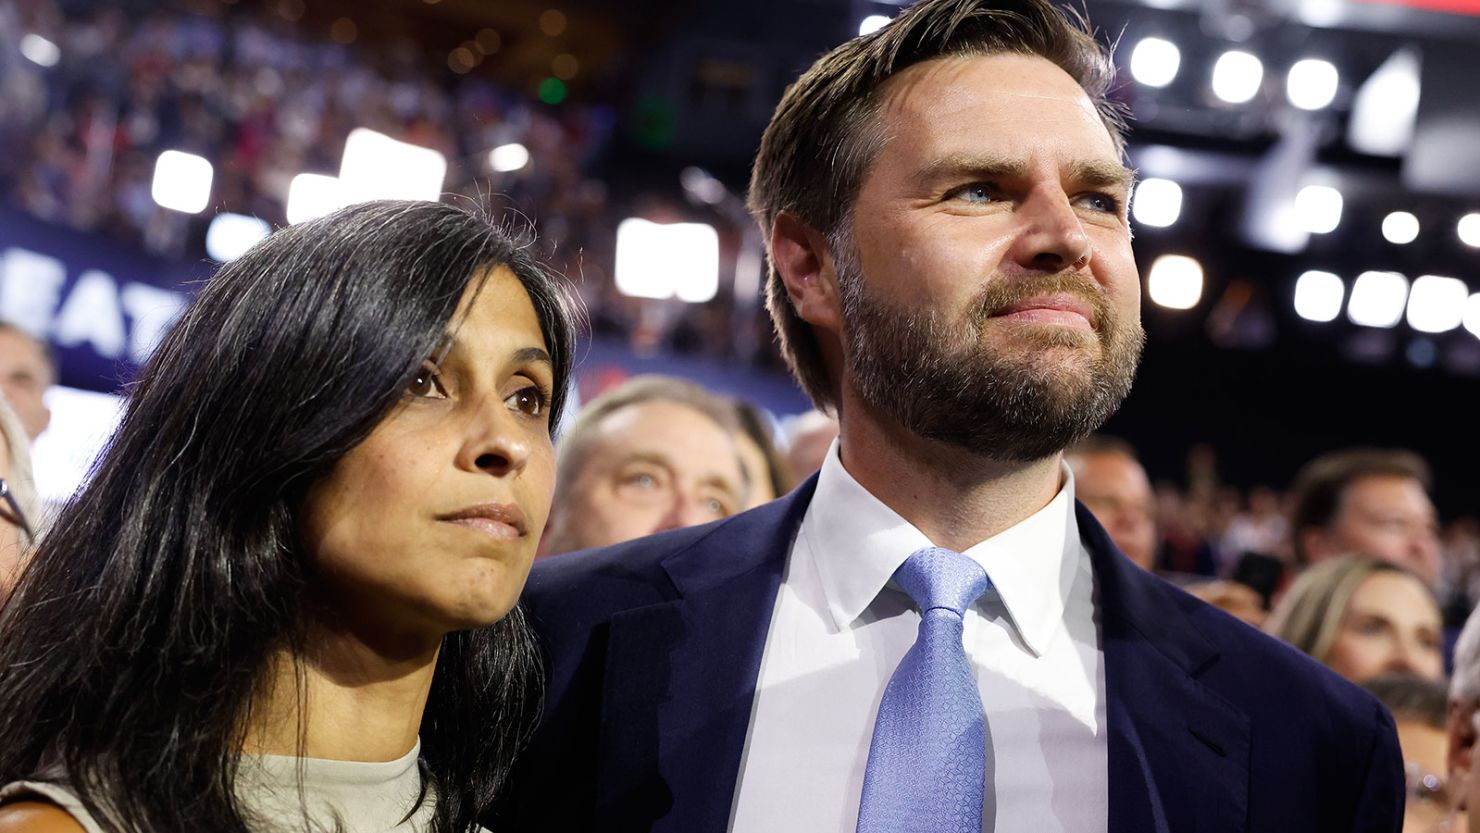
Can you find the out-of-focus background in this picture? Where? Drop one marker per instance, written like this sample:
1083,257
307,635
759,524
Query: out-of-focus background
1307,222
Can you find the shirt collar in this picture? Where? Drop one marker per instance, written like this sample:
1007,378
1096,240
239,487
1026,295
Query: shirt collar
857,543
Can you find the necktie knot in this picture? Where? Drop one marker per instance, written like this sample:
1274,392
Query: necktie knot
936,577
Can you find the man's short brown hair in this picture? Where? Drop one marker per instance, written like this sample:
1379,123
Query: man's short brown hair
825,133
1315,497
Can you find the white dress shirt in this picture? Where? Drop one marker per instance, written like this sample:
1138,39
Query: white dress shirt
841,626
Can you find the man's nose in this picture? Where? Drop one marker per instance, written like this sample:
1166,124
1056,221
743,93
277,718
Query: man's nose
1052,237
682,510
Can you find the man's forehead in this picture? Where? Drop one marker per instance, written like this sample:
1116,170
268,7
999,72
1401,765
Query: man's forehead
641,415
957,81
1014,104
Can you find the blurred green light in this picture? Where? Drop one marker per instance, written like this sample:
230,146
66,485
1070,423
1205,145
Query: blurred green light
552,91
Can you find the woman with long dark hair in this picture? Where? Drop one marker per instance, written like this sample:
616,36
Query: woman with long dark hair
286,599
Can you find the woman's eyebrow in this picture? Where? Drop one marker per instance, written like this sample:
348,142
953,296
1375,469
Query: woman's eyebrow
533,354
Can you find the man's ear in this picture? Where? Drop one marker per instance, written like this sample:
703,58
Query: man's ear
804,261
1460,727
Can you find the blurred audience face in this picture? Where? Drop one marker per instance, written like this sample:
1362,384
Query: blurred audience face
1385,516
1115,488
648,467
1391,626
25,374
1232,597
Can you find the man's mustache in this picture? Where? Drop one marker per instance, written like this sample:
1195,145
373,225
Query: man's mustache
1000,295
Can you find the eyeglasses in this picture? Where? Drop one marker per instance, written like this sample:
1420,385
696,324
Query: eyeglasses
10,511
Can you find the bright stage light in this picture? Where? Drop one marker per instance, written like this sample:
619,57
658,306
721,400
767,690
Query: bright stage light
510,157
1386,106
1472,315
1400,227
1378,299
1175,282
1318,296
1312,83
1469,230
377,167
313,195
231,235
1319,208
1155,61
182,182
1237,76
1436,304
666,260
39,50
872,23
1157,202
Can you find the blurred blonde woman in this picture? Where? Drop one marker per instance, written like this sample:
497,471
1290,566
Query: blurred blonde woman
1364,618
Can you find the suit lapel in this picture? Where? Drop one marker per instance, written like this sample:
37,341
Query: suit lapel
680,676
1178,753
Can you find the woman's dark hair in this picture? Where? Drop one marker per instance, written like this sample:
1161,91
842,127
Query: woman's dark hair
136,640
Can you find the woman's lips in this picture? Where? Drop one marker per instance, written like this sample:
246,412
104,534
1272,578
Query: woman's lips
504,521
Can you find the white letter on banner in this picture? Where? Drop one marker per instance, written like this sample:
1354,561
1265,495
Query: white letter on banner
30,289
92,314
153,310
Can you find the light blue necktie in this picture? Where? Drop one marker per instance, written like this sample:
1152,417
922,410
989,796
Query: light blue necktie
927,764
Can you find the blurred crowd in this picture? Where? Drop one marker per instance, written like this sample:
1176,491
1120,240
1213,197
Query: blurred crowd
263,101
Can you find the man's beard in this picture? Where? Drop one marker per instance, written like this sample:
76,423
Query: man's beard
937,376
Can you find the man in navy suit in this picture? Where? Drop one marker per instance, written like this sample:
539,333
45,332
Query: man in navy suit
951,272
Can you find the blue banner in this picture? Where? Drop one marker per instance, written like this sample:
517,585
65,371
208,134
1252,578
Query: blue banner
102,305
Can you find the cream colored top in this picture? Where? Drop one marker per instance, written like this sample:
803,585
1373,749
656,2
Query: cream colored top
361,797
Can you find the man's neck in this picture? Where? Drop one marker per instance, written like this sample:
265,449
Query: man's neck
956,498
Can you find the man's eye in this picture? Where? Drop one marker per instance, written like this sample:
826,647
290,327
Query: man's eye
530,401
1102,202
427,383
977,192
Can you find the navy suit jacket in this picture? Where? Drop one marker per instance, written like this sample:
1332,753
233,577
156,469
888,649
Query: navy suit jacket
654,648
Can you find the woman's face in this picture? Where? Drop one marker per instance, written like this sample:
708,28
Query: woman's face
429,525
1391,626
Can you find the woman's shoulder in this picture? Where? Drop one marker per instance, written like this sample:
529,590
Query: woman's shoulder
31,816
46,805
